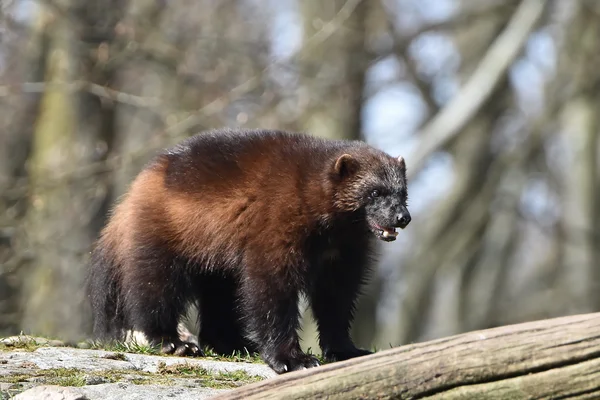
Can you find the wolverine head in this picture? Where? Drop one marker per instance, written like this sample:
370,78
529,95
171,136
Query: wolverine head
375,183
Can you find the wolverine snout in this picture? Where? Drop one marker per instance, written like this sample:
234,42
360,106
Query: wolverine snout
403,219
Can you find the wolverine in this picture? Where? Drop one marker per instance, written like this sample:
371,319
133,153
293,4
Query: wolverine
240,224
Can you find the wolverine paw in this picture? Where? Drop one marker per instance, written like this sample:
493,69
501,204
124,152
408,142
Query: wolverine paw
345,354
292,363
182,349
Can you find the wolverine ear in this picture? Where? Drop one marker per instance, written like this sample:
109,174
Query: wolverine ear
345,166
401,161
403,165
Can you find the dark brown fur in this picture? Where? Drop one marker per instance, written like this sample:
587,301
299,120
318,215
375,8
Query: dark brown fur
240,224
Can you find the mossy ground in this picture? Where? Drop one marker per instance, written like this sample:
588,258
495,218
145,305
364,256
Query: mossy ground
136,348
55,376
24,343
216,380
166,375
184,373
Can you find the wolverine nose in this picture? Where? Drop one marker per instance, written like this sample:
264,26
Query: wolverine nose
403,219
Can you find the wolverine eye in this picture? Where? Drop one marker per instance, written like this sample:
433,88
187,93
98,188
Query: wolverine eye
375,193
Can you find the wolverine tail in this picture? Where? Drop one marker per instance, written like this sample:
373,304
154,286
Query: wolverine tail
103,292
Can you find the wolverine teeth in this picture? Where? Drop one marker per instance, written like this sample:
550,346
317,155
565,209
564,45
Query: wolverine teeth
387,233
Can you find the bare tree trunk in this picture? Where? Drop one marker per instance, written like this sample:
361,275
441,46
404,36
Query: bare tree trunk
556,358
15,146
52,285
579,126
140,131
334,61
65,206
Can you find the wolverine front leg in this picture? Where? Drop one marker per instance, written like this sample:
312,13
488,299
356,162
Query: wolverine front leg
272,320
333,298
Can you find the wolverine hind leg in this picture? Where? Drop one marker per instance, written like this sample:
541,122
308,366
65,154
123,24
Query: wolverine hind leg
220,317
156,295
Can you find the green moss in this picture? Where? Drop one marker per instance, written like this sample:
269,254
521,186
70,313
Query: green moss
16,378
216,380
61,376
137,348
11,391
166,375
237,376
142,381
66,377
74,380
24,343
129,347
237,356
116,356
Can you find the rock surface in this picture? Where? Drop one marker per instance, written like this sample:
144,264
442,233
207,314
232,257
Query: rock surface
51,392
63,373
116,391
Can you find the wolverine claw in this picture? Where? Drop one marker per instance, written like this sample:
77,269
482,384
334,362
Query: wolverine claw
182,349
293,363
188,349
304,363
341,355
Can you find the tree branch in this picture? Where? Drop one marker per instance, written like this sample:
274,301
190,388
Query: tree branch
455,115
93,88
555,358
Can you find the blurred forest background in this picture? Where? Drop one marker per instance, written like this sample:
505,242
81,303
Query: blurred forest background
493,104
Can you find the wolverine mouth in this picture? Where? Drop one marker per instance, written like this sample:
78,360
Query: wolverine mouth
386,234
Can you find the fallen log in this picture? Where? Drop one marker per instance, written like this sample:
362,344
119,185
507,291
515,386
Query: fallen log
554,358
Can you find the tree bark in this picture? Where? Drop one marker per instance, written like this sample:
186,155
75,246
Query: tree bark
555,358
27,63
579,125
333,58
65,211
51,284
